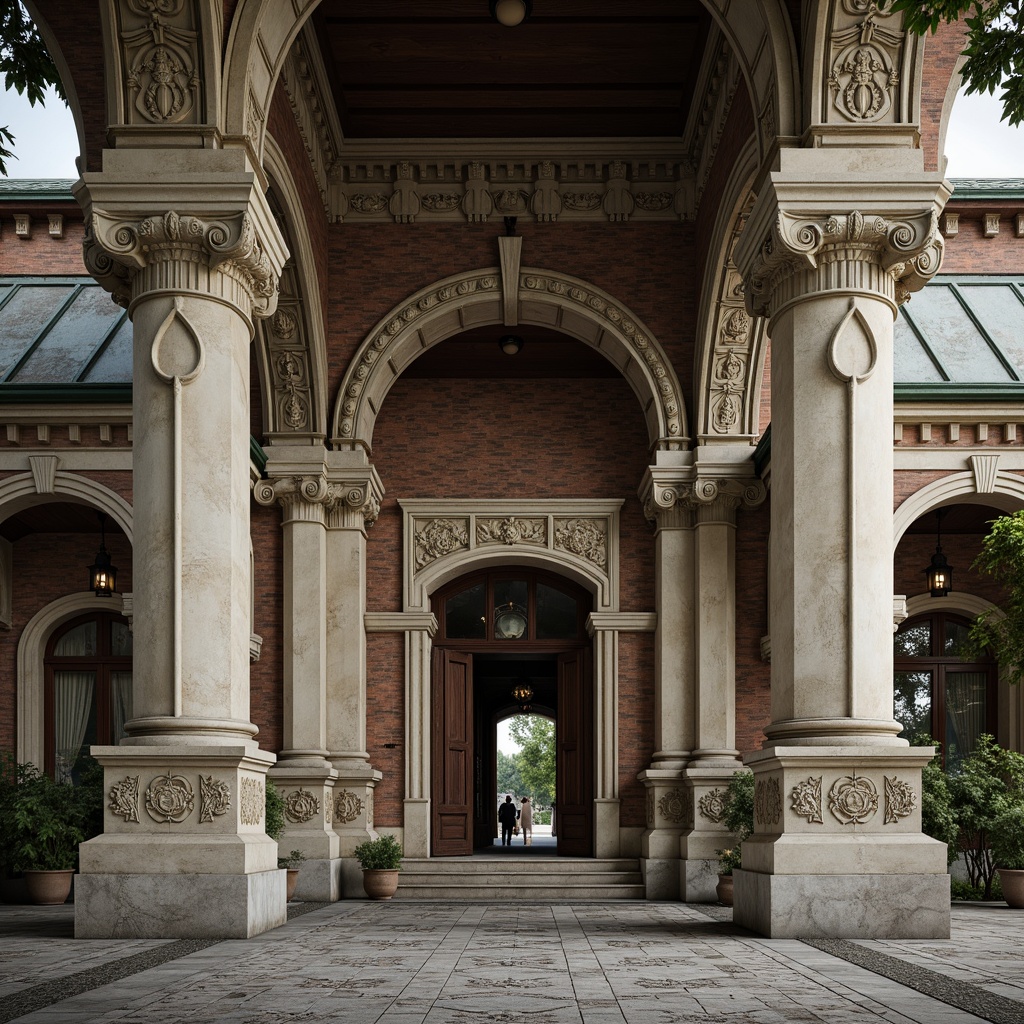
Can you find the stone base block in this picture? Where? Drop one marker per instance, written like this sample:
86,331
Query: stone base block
351,879
606,828
661,877
319,881
842,906
183,906
697,880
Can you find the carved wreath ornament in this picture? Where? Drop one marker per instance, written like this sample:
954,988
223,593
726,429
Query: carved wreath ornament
712,805
300,805
169,798
853,799
347,807
900,800
438,538
675,806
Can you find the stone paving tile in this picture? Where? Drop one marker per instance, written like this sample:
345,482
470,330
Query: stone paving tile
631,963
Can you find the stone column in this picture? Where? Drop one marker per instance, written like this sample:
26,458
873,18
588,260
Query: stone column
303,774
359,492
669,805
828,252
715,500
185,239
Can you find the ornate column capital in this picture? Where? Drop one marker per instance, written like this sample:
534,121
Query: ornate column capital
355,501
663,494
211,235
680,497
302,498
717,499
822,227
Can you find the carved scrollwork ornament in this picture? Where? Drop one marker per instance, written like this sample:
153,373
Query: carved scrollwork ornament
675,806
252,801
124,798
806,797
583,537
300,805
170,798
712,805
347,807
900,800
214,798
440,537
853,799
767,801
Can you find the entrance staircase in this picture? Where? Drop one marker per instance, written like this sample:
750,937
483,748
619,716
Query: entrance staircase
537,879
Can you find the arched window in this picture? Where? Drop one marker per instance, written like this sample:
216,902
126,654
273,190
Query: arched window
938,693
512,607
88,689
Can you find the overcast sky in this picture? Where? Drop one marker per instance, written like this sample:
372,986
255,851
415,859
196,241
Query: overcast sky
978,144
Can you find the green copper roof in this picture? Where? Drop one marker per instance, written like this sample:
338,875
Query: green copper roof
987,188
36,189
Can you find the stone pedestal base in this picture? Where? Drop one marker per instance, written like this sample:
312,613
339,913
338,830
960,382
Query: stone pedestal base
668,812
319,881
416,834
842,906
661,877
182,906
697,880
607,842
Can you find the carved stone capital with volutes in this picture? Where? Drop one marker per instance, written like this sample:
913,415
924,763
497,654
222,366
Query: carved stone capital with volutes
679,498
180,252
806,254
355,503
302,498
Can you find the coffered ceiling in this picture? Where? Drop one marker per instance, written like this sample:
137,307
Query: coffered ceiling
408,69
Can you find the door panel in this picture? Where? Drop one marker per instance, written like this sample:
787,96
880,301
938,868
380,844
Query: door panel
452,730
575,763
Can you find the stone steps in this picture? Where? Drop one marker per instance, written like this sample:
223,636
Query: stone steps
500,878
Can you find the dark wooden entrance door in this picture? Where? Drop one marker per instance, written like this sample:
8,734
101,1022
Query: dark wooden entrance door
452,754
575,761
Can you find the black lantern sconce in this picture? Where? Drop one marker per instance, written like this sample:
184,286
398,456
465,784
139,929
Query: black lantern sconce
939,573
102,574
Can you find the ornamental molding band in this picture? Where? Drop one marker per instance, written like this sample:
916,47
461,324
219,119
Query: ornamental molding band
866,65
124,798
477,298
214,798
676,806
806,798
712,806
252,801
300,805
855,252
181,253
347,807
767,801
900,800
160,62
170,798
598,187
853,799
441,535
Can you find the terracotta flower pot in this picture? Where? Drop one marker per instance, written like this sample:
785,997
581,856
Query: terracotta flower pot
380,883
293,878
48,888
724,890
1012,881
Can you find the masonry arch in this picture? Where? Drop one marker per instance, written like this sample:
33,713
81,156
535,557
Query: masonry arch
36,488
476,298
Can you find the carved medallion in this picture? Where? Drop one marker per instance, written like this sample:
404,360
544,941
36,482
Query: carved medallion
653,202
866,57
124,798
806,798
300,805
767,801
581,202
712,805
373,202
214,798
853,799
583,537
169,798
440,537
347,807
675,806
900,799
252,801
441,202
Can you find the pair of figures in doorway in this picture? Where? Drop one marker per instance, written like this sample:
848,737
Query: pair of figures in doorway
509,814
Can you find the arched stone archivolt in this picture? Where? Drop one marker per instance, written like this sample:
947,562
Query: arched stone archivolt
27,489
475,298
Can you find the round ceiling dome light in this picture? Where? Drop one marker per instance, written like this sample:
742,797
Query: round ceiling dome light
510,12
510,344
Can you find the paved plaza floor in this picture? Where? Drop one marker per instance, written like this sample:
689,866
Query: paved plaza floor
358,962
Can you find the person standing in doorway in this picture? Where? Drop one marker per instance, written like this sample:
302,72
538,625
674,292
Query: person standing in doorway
507,815
526,821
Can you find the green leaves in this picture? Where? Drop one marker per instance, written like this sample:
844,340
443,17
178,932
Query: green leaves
381,854
25,63
738,818
994,49
535,761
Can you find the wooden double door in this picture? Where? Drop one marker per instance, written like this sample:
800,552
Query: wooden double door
462,791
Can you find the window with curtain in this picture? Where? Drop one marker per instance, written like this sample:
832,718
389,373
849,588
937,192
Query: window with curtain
88,695
938,693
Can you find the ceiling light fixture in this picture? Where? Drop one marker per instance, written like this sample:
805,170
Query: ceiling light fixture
511,12
102,575
510,344
939,572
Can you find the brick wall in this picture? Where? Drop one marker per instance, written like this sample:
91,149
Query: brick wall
753,676
40,253
266,676
940,55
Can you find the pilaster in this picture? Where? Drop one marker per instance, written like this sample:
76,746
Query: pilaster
830,250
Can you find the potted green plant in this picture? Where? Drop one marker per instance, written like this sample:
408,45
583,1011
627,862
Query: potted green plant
291,864
381,860
739,820
50,820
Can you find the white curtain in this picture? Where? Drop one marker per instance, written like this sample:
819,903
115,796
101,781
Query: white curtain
965,712
72,702
120,703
